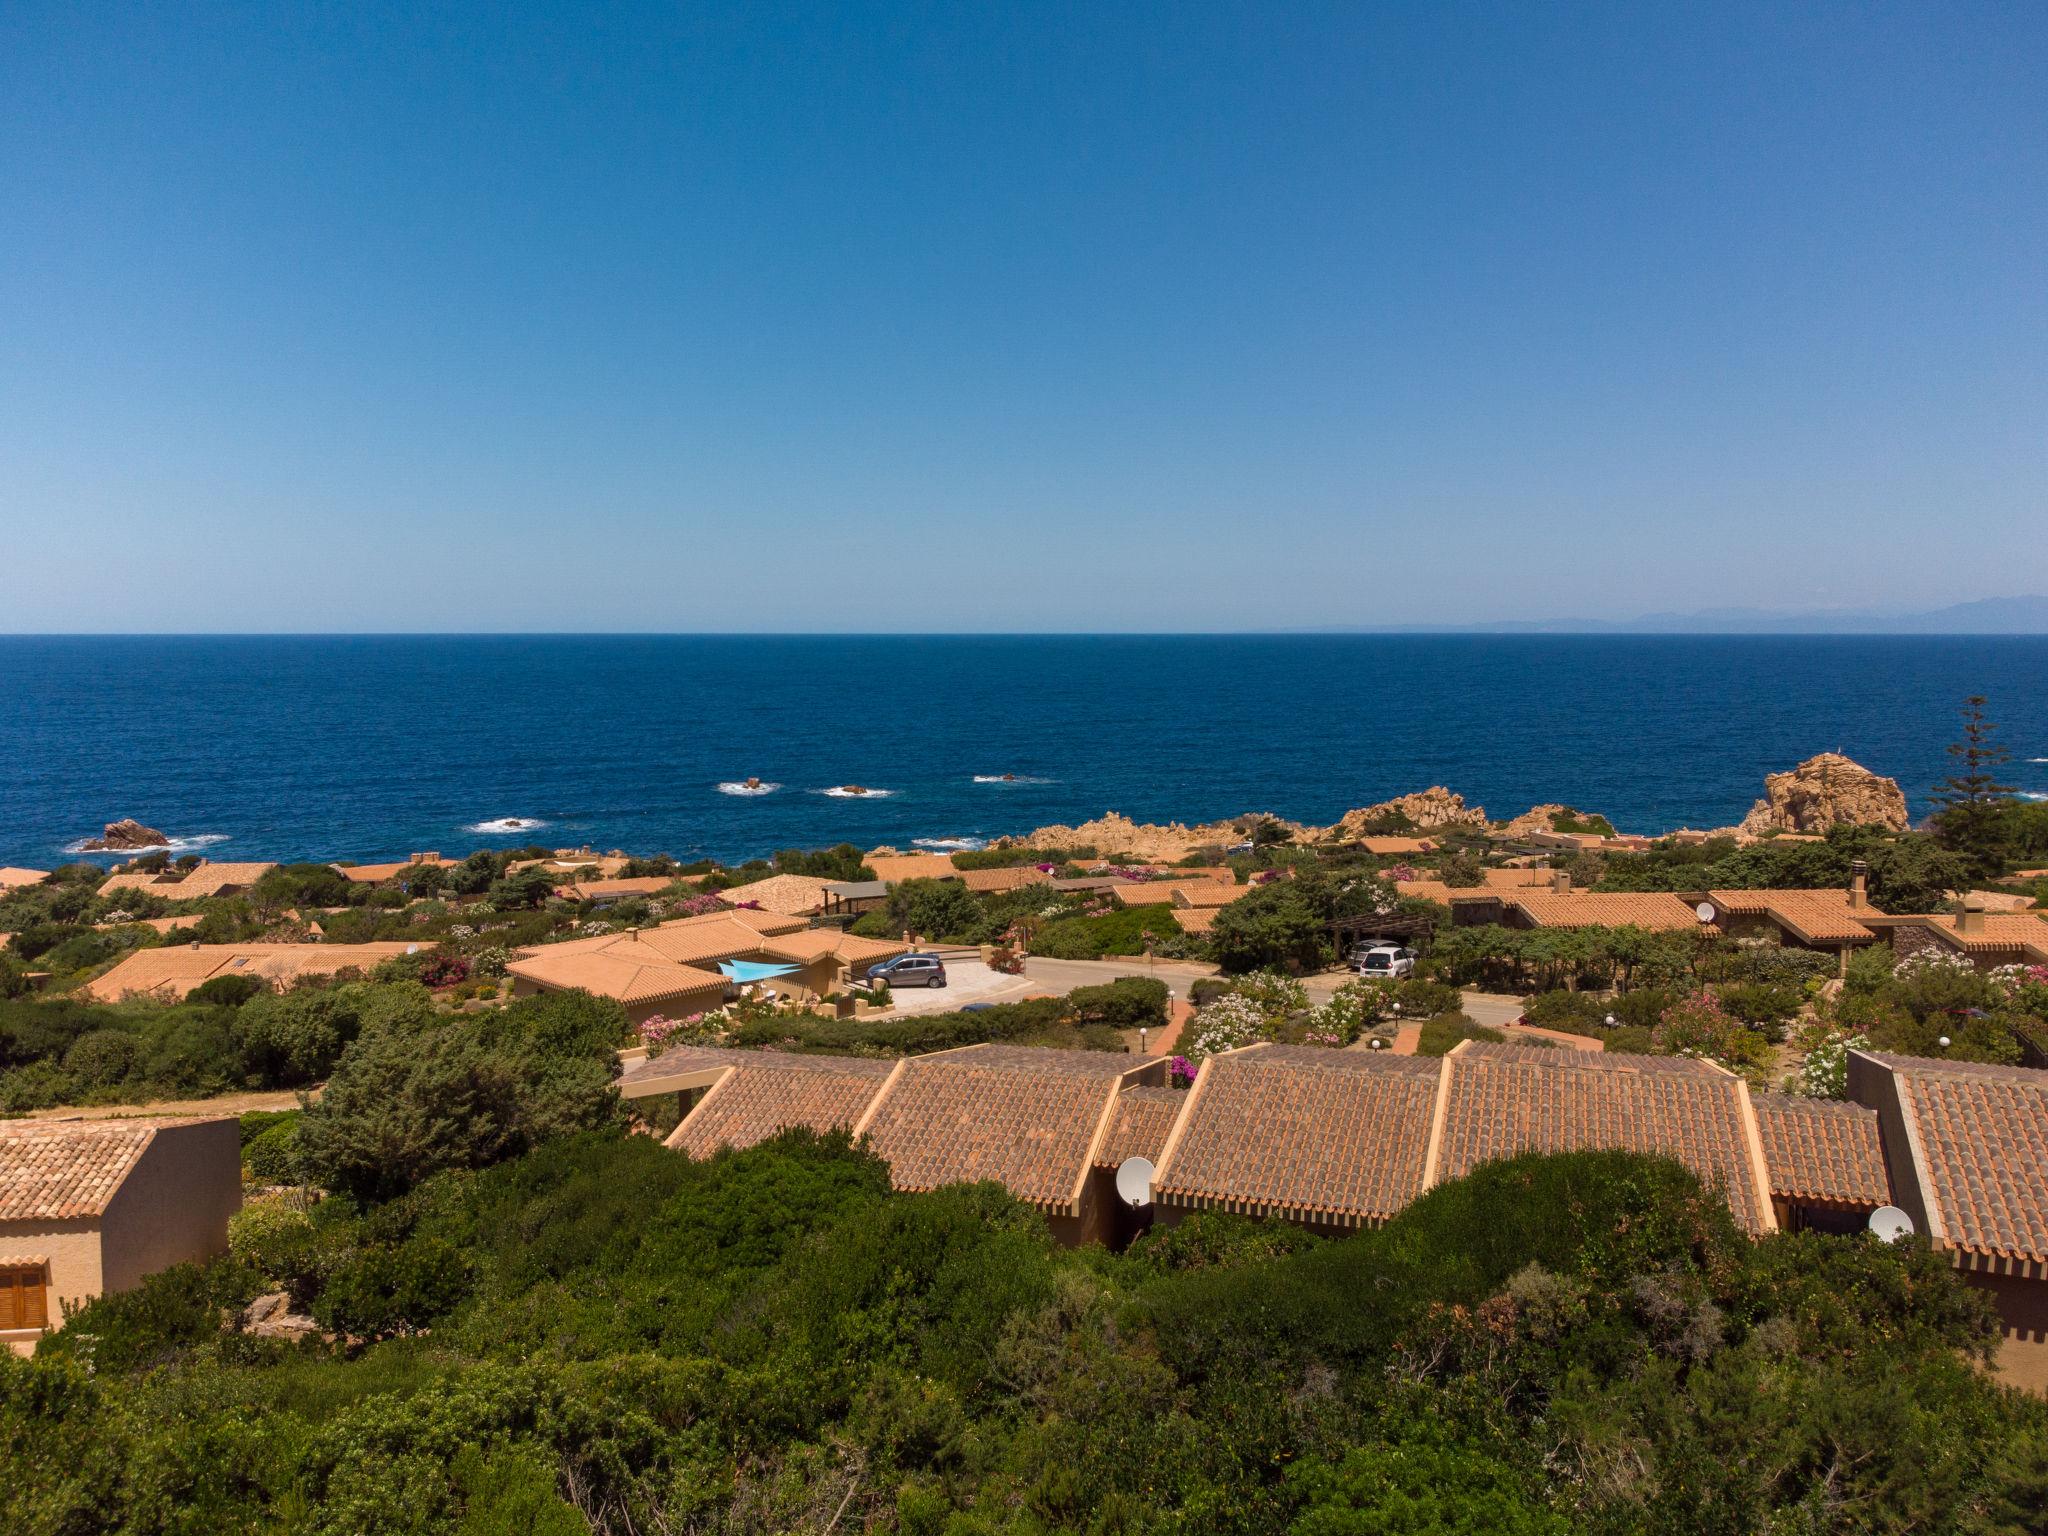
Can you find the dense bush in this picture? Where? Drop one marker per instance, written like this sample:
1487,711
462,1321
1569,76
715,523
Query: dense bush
622,1339
226,991
1120,932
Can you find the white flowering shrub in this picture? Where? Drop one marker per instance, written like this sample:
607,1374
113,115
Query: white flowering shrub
1272,994
1924,962
461,931
1351,1011
594,929
490,961
1226,1024
1824,1074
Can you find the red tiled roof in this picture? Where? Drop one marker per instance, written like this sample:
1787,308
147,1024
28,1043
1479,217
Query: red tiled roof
1013,878
896,867
1029,1119
1818,1151
1503,1100
1814,917
1979,1138
1143,1120
758,1094
1603,909
64,1170
173,970
1323,1135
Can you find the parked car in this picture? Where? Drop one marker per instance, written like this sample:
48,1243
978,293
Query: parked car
910,971
1384,960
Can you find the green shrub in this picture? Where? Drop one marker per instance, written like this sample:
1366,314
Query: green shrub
1129,1002
226,991
380,1291
105,1058
38,1085
272,1156
1121,932
1442,1033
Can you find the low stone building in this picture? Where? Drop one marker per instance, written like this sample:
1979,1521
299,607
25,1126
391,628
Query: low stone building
171,971
92,1206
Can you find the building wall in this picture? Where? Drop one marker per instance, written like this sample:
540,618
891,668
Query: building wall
2023,1320
73,1275
175,1205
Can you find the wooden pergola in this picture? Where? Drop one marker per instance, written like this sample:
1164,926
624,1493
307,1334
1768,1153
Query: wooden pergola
1345,931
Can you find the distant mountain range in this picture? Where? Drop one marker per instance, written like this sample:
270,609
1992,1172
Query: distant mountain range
1987,616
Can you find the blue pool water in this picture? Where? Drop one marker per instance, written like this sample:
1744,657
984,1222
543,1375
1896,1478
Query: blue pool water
377,746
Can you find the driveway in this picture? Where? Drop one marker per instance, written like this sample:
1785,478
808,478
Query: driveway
967,981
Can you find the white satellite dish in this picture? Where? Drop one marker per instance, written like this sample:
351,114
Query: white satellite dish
1890,1223
1134,1180
1705,912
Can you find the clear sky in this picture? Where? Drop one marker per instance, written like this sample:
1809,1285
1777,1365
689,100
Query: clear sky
697,317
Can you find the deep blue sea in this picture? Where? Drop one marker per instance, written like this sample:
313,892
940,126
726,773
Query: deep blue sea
370,747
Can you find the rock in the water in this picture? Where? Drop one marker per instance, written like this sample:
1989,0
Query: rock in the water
1825,791
124,834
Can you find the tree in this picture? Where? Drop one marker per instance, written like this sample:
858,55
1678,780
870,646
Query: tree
940,909
1973,798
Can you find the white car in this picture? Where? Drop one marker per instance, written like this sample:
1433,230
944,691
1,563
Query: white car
1387,960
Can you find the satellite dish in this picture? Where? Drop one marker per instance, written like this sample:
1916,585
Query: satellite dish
1890,1223
412,949
1705,912
1134,1180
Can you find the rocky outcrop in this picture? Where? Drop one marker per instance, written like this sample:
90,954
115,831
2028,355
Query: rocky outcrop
122,835
271,1317
1117,833
1426,810
1538,818
1828,790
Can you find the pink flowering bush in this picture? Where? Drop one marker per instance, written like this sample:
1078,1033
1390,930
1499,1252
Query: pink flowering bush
1698,1025
697,906
1180,1071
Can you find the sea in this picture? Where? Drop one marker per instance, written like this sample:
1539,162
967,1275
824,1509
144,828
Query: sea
371,747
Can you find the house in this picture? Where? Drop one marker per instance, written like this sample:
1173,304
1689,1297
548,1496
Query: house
377,874
1825,1160
895,868
13,877
693,963
573,861
92,1206
1341,1139
1011,878
1832,921
1966,1146
788,895
738,1098
616,890
168,973
1178,893
1030,1120
203,879
1987,939
1560,906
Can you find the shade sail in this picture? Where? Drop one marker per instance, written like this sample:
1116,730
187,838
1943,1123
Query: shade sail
753,970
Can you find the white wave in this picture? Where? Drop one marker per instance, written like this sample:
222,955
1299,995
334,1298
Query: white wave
849,792
950,844
505,824
2038,759
175,845
1011,778
2028,794
741,787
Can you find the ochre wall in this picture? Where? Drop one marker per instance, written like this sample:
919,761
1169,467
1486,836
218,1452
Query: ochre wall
176,1203
2023,1317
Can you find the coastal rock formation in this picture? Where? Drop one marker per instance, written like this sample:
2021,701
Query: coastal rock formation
1427,809
1827,790
1117,833
1538,818
122,835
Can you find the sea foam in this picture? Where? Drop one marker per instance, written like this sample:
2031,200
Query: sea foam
175,845
841,792
741,787
950,844
1015,778
505,824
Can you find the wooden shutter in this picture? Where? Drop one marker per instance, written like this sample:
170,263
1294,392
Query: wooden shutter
24,1299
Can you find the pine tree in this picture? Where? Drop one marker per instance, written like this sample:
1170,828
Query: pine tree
1972,798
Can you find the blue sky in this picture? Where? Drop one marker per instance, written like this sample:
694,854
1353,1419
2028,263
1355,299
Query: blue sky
690,317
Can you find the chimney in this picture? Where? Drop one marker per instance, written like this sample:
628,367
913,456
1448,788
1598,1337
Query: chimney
1971,919
1561,881
1859,884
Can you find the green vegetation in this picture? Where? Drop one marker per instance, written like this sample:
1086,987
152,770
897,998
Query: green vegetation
1445,1031
600,1335
1909,871
1120,931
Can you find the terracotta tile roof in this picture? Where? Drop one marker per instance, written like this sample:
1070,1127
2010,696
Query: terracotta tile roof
211,879
897,867
1207,893
159,924
1821,1152
1813,917
374,874
13,875
1512,879
1979,1140
1195,919
630,975
786,895
128,880
1143,1120
1601,909
605,866
1014,878
175,969
1142,893
1029,1119
1384,847
637,885
816,943
1501,1100
2000,932
1425,890
64,1170
1334,1136
758,1094
761,921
